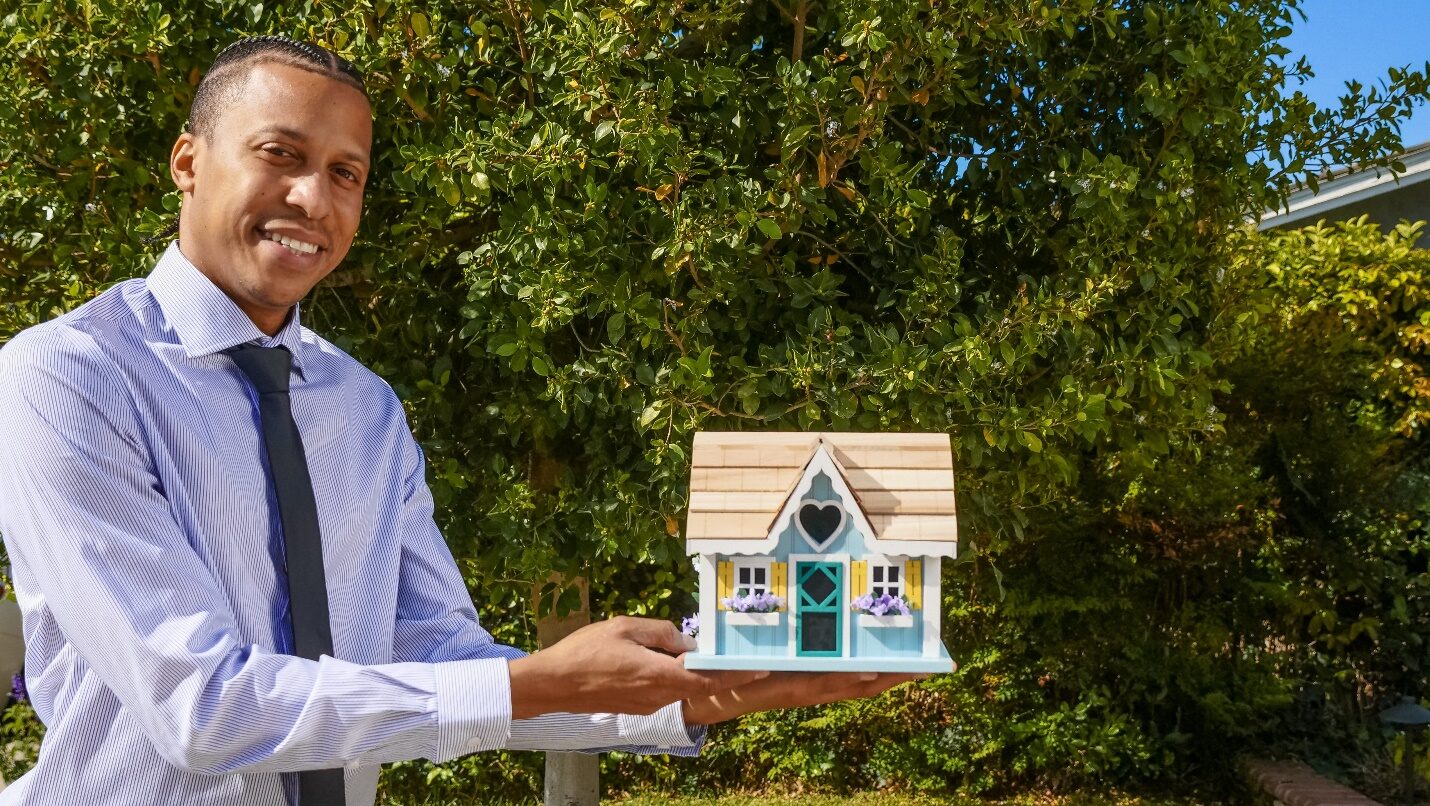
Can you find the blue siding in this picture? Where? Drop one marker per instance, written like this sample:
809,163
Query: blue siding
864,641
753,640
887,642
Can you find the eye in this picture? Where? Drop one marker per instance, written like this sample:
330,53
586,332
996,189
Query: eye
278,151
347,173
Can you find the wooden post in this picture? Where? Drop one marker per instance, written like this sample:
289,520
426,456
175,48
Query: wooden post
572,779
12,646
12,640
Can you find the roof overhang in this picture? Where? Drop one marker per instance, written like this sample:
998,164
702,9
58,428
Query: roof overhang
1304,207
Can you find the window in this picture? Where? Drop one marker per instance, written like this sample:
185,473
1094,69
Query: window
752,579
886,579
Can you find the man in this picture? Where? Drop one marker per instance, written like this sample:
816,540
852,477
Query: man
165,487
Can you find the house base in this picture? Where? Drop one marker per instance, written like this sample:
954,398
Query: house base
774,663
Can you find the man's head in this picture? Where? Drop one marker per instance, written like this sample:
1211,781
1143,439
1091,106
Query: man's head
272,168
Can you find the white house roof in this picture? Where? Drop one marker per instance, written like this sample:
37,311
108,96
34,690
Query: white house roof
740,481
1347,189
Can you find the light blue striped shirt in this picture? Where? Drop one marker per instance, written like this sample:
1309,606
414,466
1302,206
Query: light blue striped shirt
147,560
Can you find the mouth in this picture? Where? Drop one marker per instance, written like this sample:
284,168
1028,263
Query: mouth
296,246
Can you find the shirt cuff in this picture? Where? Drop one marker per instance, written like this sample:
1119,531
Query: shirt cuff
663,730
473,706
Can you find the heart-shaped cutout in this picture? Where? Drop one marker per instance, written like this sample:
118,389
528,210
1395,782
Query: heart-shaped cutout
820,521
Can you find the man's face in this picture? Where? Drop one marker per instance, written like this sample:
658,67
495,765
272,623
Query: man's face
273,194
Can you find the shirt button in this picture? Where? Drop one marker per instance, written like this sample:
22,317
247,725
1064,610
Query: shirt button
474,744
352,765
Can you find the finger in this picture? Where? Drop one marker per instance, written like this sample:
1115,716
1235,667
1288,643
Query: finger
857,685
707,682
883,682
724,680
657,634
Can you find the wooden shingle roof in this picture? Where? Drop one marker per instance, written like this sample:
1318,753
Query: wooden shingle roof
740,480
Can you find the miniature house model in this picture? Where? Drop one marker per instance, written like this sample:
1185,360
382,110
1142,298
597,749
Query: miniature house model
821,551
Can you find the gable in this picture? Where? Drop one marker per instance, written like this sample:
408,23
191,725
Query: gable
794,510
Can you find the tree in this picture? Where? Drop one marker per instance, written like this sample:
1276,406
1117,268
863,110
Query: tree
595,227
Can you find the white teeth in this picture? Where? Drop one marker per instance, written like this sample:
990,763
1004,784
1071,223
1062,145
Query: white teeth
298,246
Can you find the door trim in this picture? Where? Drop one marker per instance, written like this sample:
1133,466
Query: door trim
791,565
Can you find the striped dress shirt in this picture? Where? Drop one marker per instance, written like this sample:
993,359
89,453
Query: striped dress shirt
147,559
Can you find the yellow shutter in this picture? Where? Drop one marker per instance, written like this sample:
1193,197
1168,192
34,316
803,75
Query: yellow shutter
726,578
914,583
777,581
859,578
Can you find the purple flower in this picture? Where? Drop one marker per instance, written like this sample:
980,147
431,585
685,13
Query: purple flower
17,687
690,625
882,605
753,603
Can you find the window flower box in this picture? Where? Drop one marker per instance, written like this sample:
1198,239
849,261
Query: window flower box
882,605
736,618
743,602
886,620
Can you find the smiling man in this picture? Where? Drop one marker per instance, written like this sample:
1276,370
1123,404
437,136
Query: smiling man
272,169
222,540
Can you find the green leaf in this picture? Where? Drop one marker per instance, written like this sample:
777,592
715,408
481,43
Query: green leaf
615,327
1030,441
770,228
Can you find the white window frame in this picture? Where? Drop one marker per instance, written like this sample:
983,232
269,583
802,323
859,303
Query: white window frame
752,565
898,588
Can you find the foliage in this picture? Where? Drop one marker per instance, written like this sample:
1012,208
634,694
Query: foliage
595,227
890,799
1331,412
863,799
20,735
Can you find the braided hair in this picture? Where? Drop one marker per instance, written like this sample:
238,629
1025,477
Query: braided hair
229,70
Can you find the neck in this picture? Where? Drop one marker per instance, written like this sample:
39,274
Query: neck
266,317
268,320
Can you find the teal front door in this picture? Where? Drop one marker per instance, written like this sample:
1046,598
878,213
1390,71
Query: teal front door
819,624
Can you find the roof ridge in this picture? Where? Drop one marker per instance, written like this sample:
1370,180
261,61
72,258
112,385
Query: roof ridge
794,484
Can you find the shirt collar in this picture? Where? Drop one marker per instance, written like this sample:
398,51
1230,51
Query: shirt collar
204,317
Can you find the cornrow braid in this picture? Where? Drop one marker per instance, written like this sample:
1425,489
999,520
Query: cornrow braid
227,74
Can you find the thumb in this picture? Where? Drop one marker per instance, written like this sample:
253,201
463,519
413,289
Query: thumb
659,635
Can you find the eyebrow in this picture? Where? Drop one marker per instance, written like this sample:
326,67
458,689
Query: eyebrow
294,134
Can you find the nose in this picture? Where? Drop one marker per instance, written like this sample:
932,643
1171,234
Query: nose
310,193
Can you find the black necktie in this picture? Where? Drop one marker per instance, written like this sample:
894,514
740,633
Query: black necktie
267,369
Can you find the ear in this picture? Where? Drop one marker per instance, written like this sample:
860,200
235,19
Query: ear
181,162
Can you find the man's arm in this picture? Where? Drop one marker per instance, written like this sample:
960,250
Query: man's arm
790,690
89,530
612,685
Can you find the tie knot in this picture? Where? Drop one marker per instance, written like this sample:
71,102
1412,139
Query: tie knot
267,368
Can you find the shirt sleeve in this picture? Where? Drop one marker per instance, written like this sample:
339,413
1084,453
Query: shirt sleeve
437,622
95,546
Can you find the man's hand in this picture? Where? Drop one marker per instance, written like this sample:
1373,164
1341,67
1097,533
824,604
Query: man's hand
790,690
625,665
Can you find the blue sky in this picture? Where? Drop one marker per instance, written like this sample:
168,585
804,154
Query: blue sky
1359,39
